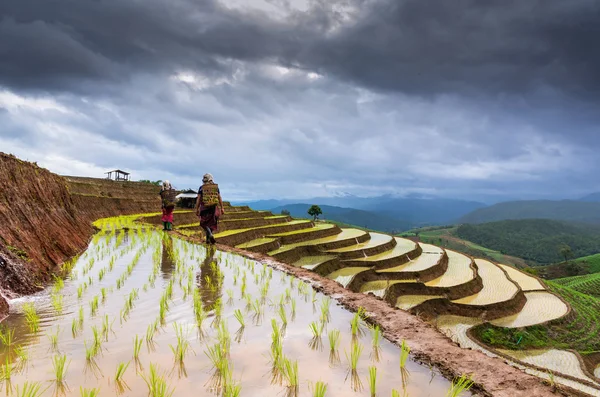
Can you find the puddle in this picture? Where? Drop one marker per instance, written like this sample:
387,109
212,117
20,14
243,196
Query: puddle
130,274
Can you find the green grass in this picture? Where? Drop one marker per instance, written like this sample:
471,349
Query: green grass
593,261
31,317
587,284
580,330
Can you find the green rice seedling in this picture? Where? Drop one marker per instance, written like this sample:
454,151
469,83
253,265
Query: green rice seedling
57,303
316,329
320,389
81,317
30,389
97,342
94,304
31,317
376,342
293,308
282,315
7,337
59,284
74,328
334,339
54,339
22,355
103,292
79,291
355,326
460,385
183,345
404,352
106,327
60,366
290,373
239,317
257,308
325,304
355,352
90,351
373,381
88,392
6,370
150,332
120,372
137,346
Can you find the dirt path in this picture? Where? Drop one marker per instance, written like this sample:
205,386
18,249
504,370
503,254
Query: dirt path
492,376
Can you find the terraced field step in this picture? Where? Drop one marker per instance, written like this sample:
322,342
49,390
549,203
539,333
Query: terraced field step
378,287
245,223
236,237
541,307
397,254
459,271
311,262
345,275
430,257
344,238
262,245
318,231
525,281
496,286
376,244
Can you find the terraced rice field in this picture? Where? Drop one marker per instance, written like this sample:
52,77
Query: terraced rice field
540,307
141,312
345,275
459,271
402,248
587,284
496,286
525,281
430,257
459,286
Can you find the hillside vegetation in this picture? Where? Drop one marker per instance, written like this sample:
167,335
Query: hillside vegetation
587,284
349,216
565,210
538,240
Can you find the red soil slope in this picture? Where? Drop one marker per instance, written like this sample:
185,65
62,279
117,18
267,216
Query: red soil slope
39,226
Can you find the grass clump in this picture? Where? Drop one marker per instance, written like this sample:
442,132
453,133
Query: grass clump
60,365
31,317
120,372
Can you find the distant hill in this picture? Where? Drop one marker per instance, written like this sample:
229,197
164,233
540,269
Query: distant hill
594,197
566,210
351,216
576,267
534,239
417,211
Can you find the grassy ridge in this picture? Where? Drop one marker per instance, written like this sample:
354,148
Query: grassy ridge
592,261
580,330
588,284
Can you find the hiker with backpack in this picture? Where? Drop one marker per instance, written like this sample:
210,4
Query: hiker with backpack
209,206
167,195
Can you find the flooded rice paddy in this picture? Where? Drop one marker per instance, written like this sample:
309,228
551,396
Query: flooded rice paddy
141,313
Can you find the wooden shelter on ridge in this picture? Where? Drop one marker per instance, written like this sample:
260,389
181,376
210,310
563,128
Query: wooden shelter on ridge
187,199
119,175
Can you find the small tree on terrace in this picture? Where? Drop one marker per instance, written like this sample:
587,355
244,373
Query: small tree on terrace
315,211
566,252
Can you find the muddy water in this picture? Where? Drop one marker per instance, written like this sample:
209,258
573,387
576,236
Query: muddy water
161,262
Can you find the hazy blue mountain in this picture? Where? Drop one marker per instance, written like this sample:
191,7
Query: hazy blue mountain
352,216
566,210
417,211
594,197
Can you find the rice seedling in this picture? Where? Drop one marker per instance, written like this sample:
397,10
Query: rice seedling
74,328
290,373
7,336
88,392
319,389
22,355
94,304
97,341
6,370
325,304
60,366
54,339
79,291
239,317
376,342
404,352
90,351
103,293
293,308
355,352
334,339
460,385
183,345
316,329
355,325
106,327
57,303
373,381
30,389
137,346
121,368
31,317
150,332
282,315
81,316
59,284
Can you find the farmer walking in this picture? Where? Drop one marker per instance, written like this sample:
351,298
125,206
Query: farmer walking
209,206
167,195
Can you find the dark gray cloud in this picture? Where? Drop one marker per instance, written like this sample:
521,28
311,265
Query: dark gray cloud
283,98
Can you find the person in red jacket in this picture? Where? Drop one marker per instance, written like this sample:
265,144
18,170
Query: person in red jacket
167,194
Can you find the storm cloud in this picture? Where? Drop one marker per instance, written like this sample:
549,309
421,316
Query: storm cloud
308,97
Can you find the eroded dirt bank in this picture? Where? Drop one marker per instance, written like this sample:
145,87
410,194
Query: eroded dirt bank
45,219
493,376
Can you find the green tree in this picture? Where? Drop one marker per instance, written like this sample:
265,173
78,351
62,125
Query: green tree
285,212
315,211
157,183
565,251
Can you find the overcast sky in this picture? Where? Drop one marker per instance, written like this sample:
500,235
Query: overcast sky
300,98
